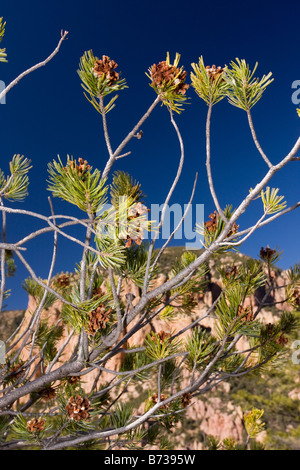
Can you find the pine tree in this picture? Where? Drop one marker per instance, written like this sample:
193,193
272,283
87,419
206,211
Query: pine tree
46,388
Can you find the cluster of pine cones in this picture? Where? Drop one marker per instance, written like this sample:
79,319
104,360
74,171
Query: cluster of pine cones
106,67
165,73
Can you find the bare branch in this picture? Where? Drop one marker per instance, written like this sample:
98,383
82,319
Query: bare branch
35,67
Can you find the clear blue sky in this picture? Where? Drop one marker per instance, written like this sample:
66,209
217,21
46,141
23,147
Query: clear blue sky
47,114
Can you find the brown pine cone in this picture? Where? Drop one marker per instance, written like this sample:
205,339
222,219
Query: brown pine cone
266,253
214,72
77,408
186,399
282,340
35,425
245,313
98,319
163,397
48,393
106,67
164,73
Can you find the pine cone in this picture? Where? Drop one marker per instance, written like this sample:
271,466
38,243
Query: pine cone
73,379
17,370
231,272
35,425
165,73
214,72
163,397
106,67
82,168
282,340
246,313
211,225
77,408
233,230
98,319
137,210
296,297
266,253
97,292
48,393
270,329
63,280
134,212
162,335
186,399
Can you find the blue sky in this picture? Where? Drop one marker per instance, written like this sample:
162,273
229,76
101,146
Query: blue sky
46,114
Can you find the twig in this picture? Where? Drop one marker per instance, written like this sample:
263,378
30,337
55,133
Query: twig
35,67
131,134
208,166
165,206
264,156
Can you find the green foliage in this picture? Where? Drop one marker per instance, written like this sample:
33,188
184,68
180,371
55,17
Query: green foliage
160,345
169,313
37,292
244,90
47,339
95,86
212,443
230,321
121,415
124,185
293,288
210,90
135,360
79,186
211,234
3,427
200,346
135,264
111,252
78,318
10,263
134,438
168,370
121,226
288,323
114,229
272,203
271,341
249,274
294,273
197,283
232,363
119,240
253,423
14,187
3,54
